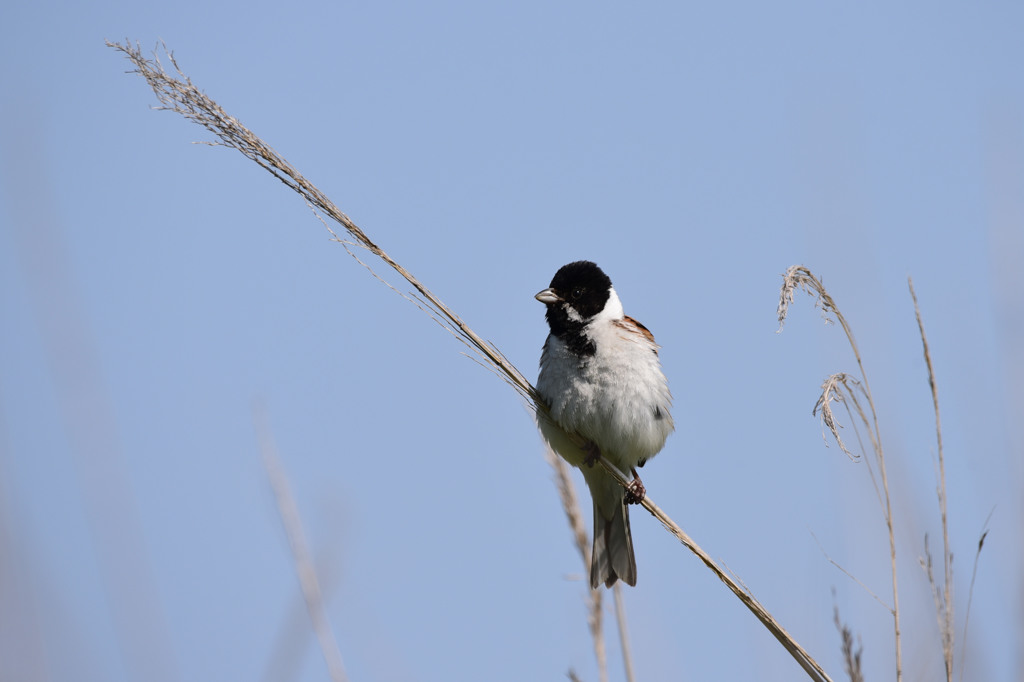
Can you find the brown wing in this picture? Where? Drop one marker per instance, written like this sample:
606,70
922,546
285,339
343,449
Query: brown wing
634,327
640,328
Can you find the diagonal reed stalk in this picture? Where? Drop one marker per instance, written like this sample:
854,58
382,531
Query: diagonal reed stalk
845,389
177,93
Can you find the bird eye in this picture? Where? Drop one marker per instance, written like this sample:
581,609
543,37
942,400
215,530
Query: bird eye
577,292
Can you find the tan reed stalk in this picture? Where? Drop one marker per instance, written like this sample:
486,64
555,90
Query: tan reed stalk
810,666
177,93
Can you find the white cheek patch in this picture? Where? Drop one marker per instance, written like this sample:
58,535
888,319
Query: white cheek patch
572,314
612,309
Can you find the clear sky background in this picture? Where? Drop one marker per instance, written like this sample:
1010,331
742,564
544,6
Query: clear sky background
153,293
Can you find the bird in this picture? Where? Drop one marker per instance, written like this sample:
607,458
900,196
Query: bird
606,395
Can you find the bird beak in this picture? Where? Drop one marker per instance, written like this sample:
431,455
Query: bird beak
548,296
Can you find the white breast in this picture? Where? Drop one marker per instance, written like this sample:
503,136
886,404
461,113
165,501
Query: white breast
617,398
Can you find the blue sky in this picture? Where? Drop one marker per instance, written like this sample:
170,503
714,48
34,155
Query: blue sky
153,293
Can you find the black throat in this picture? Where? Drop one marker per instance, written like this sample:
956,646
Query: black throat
569,332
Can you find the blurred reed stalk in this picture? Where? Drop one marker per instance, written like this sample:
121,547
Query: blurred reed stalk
301,556
570,503
943,602
944,598
851,654
177,93
970,593
620,616
571,506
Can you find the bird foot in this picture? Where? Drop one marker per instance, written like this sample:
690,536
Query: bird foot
635,491
592,454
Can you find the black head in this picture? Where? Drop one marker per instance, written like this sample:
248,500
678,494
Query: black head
583,286
578,292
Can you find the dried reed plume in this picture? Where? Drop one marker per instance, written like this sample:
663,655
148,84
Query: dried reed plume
177,93
844,389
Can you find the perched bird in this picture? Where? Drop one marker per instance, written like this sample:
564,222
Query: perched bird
602,381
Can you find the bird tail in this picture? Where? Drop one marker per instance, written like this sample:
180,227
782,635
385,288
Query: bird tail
612,557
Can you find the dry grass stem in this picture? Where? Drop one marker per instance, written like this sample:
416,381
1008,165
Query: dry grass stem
851,654
177,93
300,553
620,618
941,612
945,613
810,666
850,575
970,594
286,656
571,506
799,277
